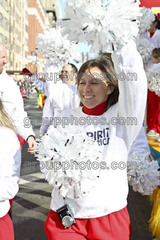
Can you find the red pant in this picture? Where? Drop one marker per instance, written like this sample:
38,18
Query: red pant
6,228
115,226
153,111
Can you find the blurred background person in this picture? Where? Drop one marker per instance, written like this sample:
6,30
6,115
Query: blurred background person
153,100
154,33
13,104
63,96
10,161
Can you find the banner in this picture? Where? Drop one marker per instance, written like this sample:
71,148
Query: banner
150,3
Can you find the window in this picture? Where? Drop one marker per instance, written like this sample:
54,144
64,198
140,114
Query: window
5,23
26,15
19,36
1,38
5,40
1,18
26,41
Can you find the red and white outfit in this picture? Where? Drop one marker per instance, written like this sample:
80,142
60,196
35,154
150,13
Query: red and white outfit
13,103
153,101
153,112
155,38
102,212
10,161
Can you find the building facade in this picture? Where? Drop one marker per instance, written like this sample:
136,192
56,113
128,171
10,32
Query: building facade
36,25
20,23
14,32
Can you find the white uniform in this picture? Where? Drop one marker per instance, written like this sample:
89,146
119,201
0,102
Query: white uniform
155,39
10,160
140,144
114,139
62,98
13,104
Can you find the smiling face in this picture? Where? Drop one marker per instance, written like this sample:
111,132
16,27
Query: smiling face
93,88
68,75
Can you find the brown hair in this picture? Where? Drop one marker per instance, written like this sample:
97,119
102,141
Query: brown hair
5,120
156,53
106,66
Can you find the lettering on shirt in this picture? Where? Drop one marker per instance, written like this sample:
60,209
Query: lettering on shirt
101,136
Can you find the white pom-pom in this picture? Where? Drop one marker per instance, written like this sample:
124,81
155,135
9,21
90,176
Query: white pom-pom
57,49
66,156
145,49
103,25
154,82
143,175
146,19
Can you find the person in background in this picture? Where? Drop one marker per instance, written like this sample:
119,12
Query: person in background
153,100
13,104
156,56
10,161
63,97
67,75
154,33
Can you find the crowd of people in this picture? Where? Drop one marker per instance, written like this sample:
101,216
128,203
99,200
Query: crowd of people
95,91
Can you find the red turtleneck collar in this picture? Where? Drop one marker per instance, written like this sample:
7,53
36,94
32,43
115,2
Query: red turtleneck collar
151,34
98,110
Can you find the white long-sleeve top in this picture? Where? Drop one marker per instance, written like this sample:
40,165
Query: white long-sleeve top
155,39
114,139
13,104
42,86
140,144
10,161
62,98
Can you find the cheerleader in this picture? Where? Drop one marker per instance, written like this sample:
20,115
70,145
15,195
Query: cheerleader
102,212
10,160
153,101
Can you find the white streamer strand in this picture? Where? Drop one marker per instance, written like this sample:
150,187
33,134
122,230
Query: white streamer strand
143,175
57,49
64,154
103,25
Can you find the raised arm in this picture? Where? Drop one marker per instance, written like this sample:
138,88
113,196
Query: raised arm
42,86
133,92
